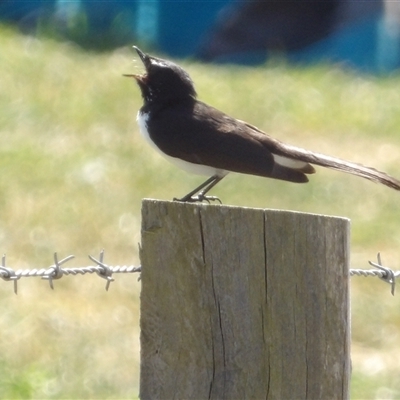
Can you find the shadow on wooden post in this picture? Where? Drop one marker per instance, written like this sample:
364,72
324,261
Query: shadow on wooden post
242,303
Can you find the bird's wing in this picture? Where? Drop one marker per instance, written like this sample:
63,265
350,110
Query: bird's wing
219,141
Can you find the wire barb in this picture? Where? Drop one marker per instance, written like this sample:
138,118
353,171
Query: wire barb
55,271
106,272
8,273
389,276
384,273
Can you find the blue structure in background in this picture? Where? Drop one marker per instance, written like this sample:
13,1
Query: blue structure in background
182,25
367,46
182,28
23,11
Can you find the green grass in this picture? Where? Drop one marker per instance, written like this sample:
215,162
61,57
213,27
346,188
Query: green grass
74,170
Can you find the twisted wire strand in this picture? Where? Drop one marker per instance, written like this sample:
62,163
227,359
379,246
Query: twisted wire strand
90,269
372,272
106,271
56,272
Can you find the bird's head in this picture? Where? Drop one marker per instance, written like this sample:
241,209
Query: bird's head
163,80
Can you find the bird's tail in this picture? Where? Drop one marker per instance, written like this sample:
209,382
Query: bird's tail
338,165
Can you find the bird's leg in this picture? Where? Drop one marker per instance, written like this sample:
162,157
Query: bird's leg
201,195
201,191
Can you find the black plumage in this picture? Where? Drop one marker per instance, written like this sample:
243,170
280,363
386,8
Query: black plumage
204,140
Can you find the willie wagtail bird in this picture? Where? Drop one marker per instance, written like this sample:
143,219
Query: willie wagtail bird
204,140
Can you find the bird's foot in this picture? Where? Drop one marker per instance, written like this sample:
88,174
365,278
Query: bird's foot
200,197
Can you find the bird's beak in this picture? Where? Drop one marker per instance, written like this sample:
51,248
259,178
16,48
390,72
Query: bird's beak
143,56
145,60
132,76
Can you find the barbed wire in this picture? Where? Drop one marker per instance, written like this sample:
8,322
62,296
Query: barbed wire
104,271
55,271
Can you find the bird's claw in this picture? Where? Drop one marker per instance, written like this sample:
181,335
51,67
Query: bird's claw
199,198
202,197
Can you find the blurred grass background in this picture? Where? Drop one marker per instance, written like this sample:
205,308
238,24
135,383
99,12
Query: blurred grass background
73,171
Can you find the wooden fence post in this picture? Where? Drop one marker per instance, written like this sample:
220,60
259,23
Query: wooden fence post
242,303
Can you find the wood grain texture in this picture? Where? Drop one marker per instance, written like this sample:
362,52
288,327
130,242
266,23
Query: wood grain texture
241,303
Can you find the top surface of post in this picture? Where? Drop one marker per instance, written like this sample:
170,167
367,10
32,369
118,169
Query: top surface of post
149,201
